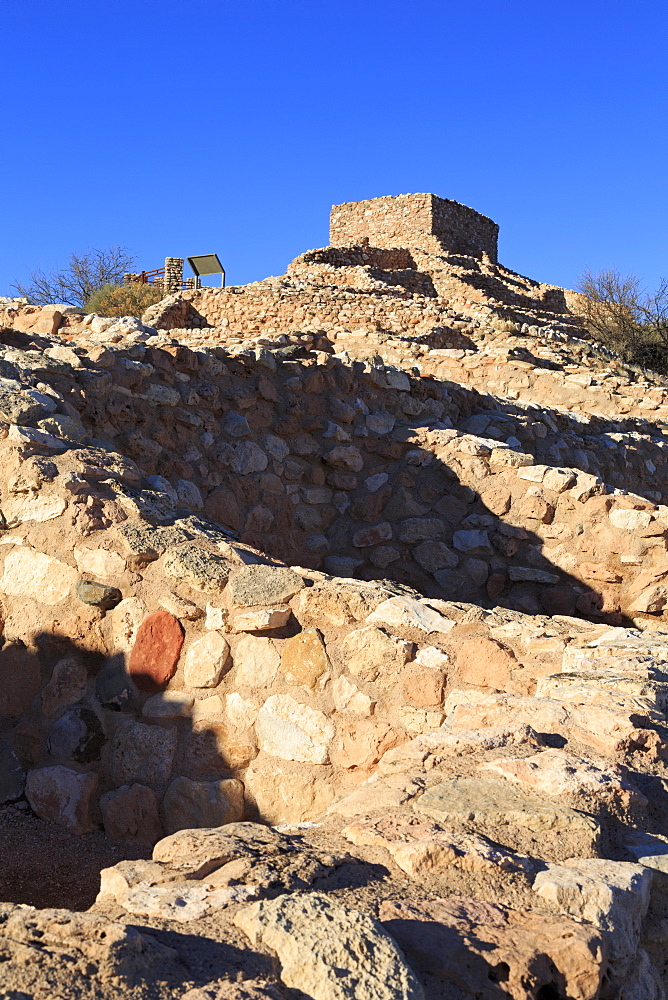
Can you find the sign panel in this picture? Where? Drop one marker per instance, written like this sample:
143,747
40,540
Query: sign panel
206,264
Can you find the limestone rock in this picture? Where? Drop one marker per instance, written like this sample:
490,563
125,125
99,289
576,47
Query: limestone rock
328,951
257,661
213,747
67,685
370,651
42,507
283,792
141,753
420,846
62,796
253,585
472,945
96,953
77,735
261,620
130,815
407,612
126,619
32,574
511,817
360,743
292,731
485,663
560,773
192,804
99,563
206,660
156,651
611,895
203,570
304,659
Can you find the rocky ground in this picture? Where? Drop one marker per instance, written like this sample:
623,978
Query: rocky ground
335,640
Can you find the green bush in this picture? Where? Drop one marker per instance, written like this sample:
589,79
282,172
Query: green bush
131,299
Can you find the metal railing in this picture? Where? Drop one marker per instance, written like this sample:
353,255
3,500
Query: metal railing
155,277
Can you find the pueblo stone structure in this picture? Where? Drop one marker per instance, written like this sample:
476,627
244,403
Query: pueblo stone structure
345,593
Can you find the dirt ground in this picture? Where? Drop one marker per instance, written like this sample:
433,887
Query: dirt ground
45,866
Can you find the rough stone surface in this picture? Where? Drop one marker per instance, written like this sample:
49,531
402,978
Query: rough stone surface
204,571
371,651
304,660
35,575
77,735
141,753
470,945
67,685
62,796
206,660
254,585
257,661
101,595
292,731
130,815
156,651
202,803
506,813
328,951
611,895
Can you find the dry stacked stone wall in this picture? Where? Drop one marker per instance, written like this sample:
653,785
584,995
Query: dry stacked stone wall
422,220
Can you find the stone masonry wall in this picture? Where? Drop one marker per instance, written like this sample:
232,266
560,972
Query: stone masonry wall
422,220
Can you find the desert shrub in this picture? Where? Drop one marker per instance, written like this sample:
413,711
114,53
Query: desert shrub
624,318
79,278
131,299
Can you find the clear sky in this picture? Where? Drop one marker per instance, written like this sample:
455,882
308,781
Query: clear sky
184,128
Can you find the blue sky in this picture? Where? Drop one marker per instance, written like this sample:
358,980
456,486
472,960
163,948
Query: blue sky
233,126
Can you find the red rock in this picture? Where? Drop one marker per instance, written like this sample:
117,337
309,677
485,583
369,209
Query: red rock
156,651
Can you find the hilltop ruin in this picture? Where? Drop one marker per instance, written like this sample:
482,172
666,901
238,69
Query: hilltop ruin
378,545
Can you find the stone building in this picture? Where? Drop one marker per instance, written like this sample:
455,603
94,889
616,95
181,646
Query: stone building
415,220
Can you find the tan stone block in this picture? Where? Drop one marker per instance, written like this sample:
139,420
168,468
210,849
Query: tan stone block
261,620
206,660
284,793
201,804
130,815
369,652
99,563
360,743
304,660
292,731
423,686
62,796
32,574
257,661
67,685
485,663
212,747
39,507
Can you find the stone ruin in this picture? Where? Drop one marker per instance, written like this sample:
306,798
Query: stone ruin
337,601
421,220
